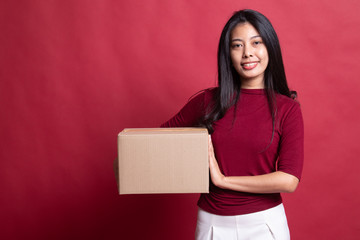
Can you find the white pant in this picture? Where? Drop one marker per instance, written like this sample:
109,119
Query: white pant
268,224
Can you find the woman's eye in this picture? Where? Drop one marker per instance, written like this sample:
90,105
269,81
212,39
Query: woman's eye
257,42
236,45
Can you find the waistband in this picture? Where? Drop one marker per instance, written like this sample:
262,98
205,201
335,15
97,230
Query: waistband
245,219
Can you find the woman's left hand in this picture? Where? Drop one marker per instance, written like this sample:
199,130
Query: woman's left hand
274,182
216,176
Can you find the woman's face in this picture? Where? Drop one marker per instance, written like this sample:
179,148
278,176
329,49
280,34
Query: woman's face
249,55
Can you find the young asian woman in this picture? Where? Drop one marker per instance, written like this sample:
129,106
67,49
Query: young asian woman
256,147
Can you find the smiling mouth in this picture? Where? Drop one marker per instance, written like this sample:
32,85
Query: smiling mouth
249,66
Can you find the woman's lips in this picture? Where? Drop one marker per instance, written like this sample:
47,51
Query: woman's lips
249,65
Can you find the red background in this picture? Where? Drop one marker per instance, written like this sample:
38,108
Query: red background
75,73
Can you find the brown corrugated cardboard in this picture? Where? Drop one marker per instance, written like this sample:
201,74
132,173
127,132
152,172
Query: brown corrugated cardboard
163,160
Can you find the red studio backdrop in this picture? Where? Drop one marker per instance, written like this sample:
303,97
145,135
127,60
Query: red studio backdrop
75,73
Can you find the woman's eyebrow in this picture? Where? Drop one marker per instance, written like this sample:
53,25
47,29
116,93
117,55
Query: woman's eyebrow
239,39
255,36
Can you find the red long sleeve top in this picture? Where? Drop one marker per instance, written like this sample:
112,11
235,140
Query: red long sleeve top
243,146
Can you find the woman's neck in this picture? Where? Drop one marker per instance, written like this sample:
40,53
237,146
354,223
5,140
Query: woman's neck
253,83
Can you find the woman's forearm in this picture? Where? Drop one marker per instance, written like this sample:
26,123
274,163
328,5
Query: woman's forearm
268,183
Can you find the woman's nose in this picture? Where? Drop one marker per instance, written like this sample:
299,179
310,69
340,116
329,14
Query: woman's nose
247,52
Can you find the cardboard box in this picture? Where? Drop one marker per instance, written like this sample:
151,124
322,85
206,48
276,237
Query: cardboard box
163,160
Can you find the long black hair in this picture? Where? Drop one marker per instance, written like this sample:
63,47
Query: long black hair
229,84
